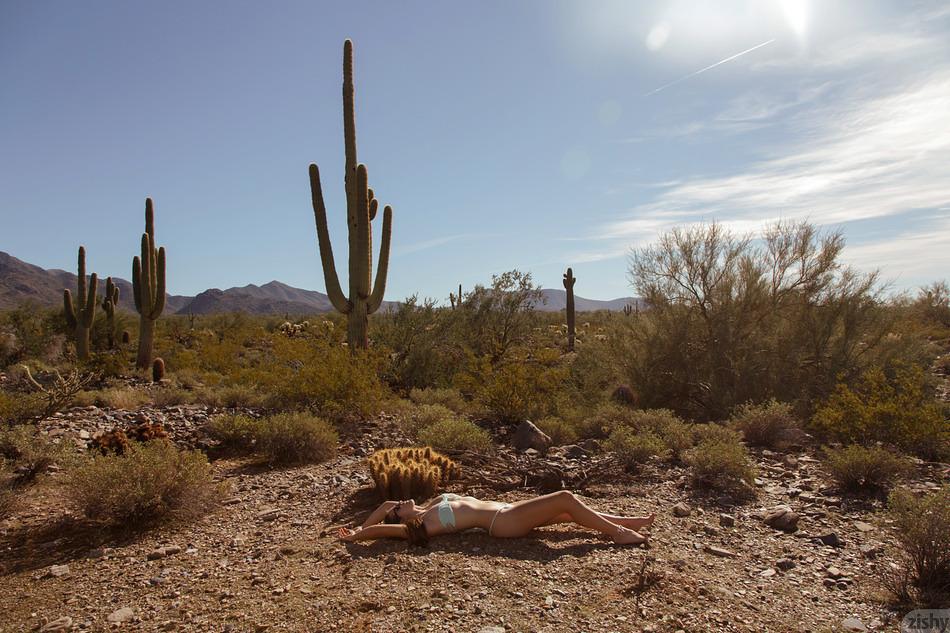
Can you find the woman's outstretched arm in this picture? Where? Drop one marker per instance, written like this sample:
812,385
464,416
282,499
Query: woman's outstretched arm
395,530
379,513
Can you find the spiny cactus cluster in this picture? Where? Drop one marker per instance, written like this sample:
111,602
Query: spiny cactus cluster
81,317
119,441
569,280
148,286
365,297
410,473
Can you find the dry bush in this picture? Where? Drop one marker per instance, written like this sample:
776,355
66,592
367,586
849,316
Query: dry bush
771,424
29,452
560,431
166,396
236,433
633,447
922,527
720,462
891,405
417,418
17,407
126,398
230,396
295,438
865,469
152,481
446,397
457,435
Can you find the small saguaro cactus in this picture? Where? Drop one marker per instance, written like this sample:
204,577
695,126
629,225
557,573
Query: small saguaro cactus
365,297
81,317
569,280
148,286
456,300
109,303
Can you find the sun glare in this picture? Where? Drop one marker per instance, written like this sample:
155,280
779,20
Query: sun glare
796,14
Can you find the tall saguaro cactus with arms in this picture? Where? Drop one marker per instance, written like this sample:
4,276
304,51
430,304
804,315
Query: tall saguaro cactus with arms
569,280
109,304
148,287
81,317
365,297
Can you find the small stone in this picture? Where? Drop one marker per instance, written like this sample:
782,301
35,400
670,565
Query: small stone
834,572
682,510
270,514
782,518
727,520
853,624
121,615
156,554
492,629
785,564
871,551
829,538
864,527
829,582
59,625
718,551
58,571
767,573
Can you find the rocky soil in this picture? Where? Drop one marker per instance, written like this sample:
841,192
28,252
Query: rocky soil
267,559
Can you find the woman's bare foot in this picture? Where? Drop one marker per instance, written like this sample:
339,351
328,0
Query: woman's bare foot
639,523
628,537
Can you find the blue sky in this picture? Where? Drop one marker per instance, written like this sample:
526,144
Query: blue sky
533,135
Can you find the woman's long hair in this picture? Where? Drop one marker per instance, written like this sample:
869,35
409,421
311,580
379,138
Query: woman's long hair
415,527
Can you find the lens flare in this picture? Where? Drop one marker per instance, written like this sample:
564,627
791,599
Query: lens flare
796,14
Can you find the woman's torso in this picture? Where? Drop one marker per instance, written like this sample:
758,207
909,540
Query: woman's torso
469,513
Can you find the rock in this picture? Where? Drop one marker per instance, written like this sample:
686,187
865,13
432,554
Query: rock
527,435
121,615
590,445
492,629
718,551
871,550
58,571
727,520
785,564
830,583
59,625
767,573
573,451
829,538
853,624
834,572
682,510
156,554
782,518
270,514
531,452
864,527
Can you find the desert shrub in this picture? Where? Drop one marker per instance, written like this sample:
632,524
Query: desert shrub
150,482
295,438
865,469
676,435
417,418
128,398
603,420
230,396
457,435
733,319
235,432
721,462
424,353
593,372
560,431
165,396
31,332
922,528
29,452
515,390
712,432
447,397
771,424
634,448
18,407
890,405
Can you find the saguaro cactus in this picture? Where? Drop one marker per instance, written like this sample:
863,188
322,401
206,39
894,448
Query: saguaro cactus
148,287
361,207
569,280
81,317
109,303
456,300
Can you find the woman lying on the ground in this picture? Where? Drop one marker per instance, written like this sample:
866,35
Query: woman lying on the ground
450,513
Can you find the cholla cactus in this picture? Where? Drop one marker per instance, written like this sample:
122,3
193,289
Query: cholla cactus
406,473
81,318
365,297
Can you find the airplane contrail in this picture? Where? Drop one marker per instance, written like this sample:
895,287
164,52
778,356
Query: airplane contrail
702,70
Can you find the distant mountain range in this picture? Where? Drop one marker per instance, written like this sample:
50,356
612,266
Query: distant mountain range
21,282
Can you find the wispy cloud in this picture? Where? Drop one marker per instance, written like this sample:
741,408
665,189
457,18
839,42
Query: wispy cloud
437,241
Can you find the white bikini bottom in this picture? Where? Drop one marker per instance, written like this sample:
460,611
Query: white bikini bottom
504,507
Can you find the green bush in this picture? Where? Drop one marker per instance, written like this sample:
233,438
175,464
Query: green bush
865,469
560,431
712,432
722,464
771,424
520,389
449,398
892,406
922,528
29,452
235,432
634,448
455,435
677,435
16,407
604,420
295,438
151,481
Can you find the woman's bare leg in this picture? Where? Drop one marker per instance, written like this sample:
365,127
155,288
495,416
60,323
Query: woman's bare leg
524,516
634,523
